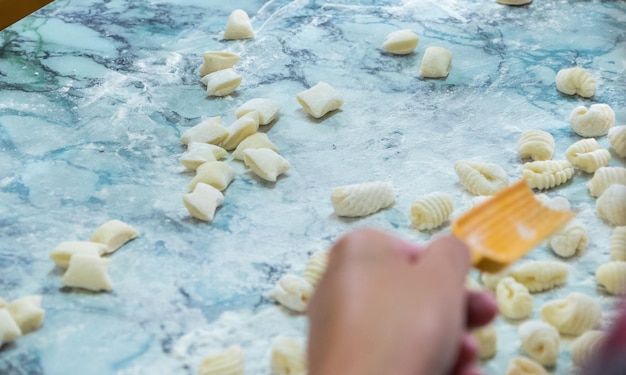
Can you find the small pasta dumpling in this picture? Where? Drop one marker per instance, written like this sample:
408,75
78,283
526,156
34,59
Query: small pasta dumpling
228,362
199,153
64,251
265,163
215,173
586,346
573,314
362,199
431,211
514,2
538,275
401,42
238,26
605,177
113,234
514,300
315,267
256,140
87,271
288,356
524,366
214,61
9,330
536,145
587,155
555,203
491,280
27,313
267,109
436,63
617,140
203,201
293,292
569,240
617,244
320,99
487,339
221,83
547,174
210,131
575,81
593,122
241,129
613,276
481,178
611,206
540,341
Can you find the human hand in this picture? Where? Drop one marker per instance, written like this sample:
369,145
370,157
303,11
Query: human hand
385,306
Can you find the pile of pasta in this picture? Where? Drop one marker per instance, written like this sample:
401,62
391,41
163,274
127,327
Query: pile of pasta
19,317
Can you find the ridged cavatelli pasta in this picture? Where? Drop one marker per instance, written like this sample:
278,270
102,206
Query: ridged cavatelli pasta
536,145
540,341
538,276
574,81
605,177
617,139
613,276
315,267
585,347
573,314
514,300
611,205
593,122
288,357
617,246
491,280
487,340
362,199
293,292
525,366
556,203
430,211
229,362
587,155
481,178
548,173
569,240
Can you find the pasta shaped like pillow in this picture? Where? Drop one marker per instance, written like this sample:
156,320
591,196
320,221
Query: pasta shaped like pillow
611,205
113,234
362,199
605,177
536,145
574,81
208,131
228,362
203,201
540,341
241,129
199,153
256,140
221,83
547,174
267,109
27,313
617,139
587,155
436,63
288,357
238,26
315,267
524,366
585,347
481,178
617,245
65,250
487,340
89,272
215,173
538,276
613,276
9,330
514,300
265,163
214,61
569,240
573,314
401,42
320,99
594,122
293,292
431,211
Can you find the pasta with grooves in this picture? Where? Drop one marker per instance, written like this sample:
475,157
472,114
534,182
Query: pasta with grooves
605,177
617,245
593,122
611,206
536,145
585,347
617,140
572,315
431,211
613,276
315,267
362,199
587,155
228,362
288,356
513,299
525,366
540,341
481,178
575,81
569,240
547,174
538,276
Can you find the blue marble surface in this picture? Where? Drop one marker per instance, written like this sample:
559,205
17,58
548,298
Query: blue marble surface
95,95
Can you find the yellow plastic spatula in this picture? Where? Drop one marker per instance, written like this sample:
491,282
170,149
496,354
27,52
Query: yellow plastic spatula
504,228
12,11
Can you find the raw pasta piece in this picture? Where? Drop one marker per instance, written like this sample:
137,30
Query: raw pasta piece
617,139
514,300
587,155
256,140
221,83
215,173
288,357
27,313
585,347
481,178
228,362
547,174
556,203
540,341
574,81
238,26
594,122
315,267
436,62
613,276
208,131
491,280
605,177
538,276
569,240
514,2
536,145
199,153
293,292
431,211
88,272
203,201
525,366
267,109
362,199
401,42
617,245
320,99
241,129
65,250
487,340
113,234
9,330
265,163
214,61
573,314
611,205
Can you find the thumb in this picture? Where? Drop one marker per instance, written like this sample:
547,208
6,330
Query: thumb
446,258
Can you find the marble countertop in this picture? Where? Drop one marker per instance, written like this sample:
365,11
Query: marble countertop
95,95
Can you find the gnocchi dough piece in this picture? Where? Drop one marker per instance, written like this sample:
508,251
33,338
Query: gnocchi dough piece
228,362
491,280
538,276
569,240
540,341
617,245
65,250
487,340
362,199
515,2
594,122
210,131
113,234
214,61
514,300
265,163
587,155
431,211
556,203
27,313
267,109
617,139
611,205
215,173
89,272
241,129
238,26
547,174
536,145
9,330
293,292
585,347
199,153
525,366
203,201
256,140
573,314
320,99
221,83
575,81
315,267
481,178
436,62
288,357
613,276
605,177
401,42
